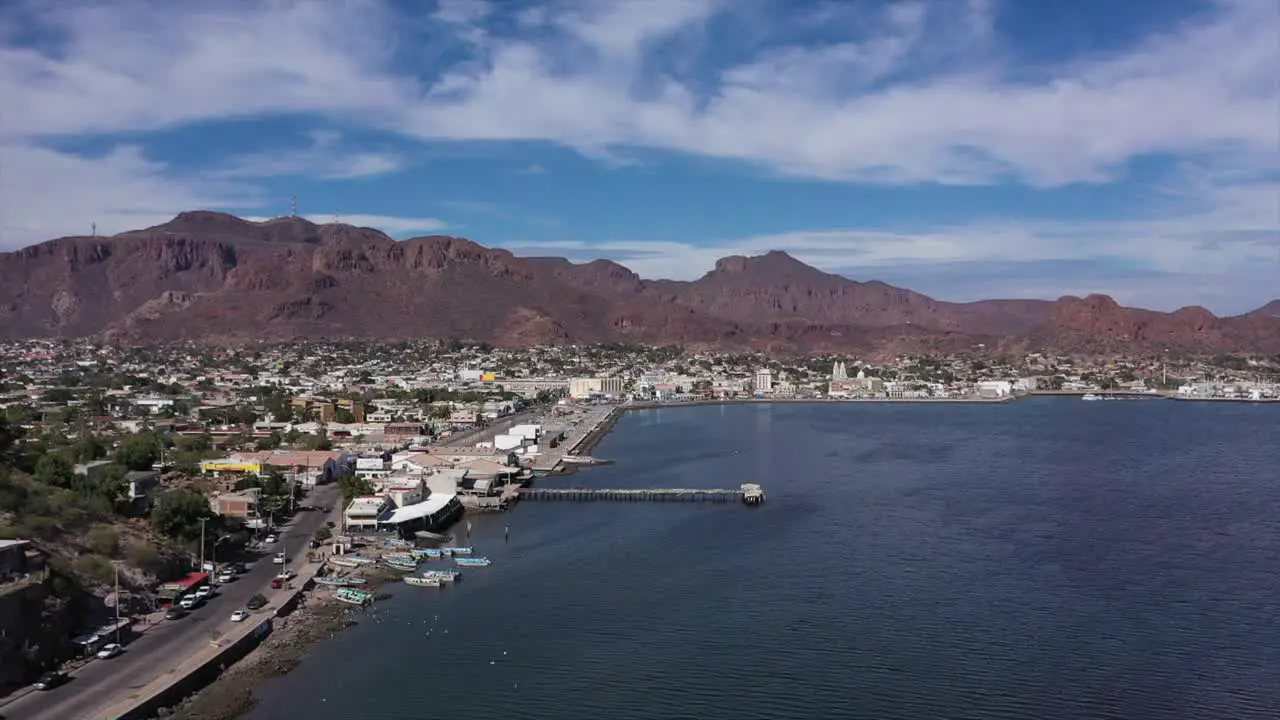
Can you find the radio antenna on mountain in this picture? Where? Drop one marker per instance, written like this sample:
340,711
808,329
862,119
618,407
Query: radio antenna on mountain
95,229
293,206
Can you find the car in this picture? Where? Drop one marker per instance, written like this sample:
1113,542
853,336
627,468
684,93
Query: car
257,602
238,568
279,559
190,602
240,616
226,576
271,539
175,613
50,680
204,592
109,651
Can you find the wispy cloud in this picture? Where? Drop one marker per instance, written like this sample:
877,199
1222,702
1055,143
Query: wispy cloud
899,93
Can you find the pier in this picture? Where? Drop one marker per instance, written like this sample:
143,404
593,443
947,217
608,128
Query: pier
750,494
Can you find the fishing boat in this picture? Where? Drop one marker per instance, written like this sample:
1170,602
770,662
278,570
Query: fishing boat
352,596
446,552
339,581
423,581
359,559
344,562
1091,396
401,565
399,543
472,561
443,575
403,557
426,552
462,550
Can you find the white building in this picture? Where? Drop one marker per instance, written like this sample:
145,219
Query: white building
764,380
586,387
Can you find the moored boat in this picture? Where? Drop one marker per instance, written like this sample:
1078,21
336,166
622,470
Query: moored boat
343,562
340,581
472,561
352,596
444,575
423,581
1091,396
462,550
401,566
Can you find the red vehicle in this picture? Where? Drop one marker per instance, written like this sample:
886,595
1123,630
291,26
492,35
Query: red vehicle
277,583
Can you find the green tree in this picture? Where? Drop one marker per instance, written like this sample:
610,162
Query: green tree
177,514
88,447
353,486
55,470
138,451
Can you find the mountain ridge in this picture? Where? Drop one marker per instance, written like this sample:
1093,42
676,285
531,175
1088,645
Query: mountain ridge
214,276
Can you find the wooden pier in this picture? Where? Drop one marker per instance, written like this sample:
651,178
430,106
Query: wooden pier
749,494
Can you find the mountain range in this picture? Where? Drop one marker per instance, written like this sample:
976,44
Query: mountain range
213,276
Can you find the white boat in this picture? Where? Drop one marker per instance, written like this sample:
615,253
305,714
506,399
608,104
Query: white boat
472,561
1091,396
447,576
401,566
423,581
351,596
461,550
343,562
339,581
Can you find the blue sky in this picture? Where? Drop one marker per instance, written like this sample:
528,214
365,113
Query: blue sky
963,148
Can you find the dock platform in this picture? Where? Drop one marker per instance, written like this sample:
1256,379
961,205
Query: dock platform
749,494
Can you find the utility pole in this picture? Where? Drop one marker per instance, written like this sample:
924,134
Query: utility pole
116,565
202,520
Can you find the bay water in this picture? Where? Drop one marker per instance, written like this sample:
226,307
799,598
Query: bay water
1045,559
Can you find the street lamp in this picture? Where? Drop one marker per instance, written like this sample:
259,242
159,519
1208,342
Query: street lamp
115,564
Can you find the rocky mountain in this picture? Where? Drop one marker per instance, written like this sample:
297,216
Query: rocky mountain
1271,309
213,276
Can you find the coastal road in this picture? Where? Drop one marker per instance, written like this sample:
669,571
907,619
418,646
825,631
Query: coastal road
163,647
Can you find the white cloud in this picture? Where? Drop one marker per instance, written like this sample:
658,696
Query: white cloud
390,224
45,194
922,92
323,158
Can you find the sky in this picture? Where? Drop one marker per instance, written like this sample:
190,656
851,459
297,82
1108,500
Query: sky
966,149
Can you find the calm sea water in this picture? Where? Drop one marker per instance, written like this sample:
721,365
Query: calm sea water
1046,559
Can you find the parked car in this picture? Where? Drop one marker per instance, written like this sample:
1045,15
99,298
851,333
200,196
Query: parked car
257,602
279,559
109,651
50,680
238,568
204,592
226,576
240,616
190,602
270,539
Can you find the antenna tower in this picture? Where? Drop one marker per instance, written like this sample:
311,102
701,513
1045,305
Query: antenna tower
95,230
293,206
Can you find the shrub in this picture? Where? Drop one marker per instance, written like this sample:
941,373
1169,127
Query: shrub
146,558
94,567
103,540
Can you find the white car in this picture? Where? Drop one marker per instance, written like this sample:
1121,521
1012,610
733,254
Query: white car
271,539
226,576
278,559
239,616
204,592
109,651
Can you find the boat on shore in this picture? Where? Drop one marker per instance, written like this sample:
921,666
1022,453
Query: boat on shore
423,581
339,581
472,561
352,596
429,553
402,556
461,550
343,562
401,565
447,576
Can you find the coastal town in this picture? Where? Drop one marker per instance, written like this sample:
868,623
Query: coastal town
157,483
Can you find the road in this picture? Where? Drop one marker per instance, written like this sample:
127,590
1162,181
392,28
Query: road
165,646
471,437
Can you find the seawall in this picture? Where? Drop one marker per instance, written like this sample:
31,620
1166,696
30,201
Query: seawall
204,667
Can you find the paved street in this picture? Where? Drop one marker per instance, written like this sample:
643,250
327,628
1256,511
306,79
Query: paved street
470,437
165,646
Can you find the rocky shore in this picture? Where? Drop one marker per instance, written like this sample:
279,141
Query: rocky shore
318,618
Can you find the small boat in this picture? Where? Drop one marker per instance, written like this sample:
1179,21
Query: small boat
446,552
402,566
462,550
443,575
423,581
343,562
1091,396
359,559
340,581
406,557
399,543
472,561
352,596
